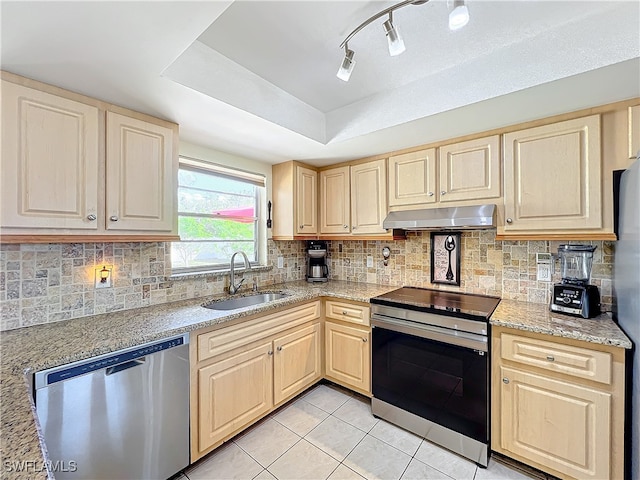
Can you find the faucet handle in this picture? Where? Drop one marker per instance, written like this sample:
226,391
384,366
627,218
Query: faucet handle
255,284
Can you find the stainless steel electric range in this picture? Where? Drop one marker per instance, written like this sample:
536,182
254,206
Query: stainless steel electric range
430,366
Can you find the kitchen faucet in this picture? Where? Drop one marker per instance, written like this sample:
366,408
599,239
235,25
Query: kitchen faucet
233,288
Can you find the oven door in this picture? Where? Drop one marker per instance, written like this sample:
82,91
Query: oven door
416,369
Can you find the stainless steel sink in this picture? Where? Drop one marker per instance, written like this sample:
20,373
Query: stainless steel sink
246,301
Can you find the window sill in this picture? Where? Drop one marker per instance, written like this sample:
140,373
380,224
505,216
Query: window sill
217,273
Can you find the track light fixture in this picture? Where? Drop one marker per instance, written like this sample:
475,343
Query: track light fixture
458,18
347,64
459,15
396,44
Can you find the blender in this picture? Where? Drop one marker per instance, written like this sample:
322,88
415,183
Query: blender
574,295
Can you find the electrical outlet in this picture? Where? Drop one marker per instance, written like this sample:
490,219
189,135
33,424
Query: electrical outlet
369,261
544,267
280,262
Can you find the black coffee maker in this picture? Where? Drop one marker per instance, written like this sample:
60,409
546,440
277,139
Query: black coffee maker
317,270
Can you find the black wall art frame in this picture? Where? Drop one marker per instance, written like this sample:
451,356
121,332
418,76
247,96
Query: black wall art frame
445,258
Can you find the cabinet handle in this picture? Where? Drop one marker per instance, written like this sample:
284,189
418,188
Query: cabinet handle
91,217
550,358
443,192
279,348
364,340
270,352
505,380
430,194
113,218
509,221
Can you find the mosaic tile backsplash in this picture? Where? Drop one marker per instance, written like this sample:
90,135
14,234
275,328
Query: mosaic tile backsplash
48,283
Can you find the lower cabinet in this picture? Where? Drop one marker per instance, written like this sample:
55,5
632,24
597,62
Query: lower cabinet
347,349
558,406
233,392
238,385
348,356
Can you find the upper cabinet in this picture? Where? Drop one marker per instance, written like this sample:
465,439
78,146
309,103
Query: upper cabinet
553,177
634,131
368,197
353,199
77,169
335,202
412,178
49,160
295,201
139,174
470,170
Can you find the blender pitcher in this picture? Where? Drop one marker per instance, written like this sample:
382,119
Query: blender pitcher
575,263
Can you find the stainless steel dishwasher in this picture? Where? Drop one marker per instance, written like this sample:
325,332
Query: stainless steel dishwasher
122,415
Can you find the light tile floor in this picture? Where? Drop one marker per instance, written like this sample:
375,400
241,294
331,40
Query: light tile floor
329,432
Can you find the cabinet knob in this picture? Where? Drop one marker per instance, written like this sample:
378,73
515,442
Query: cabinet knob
443,192
346,226
354,228
344,312
430,194
270,352
301,227
113,218
279,348
550,358
509,220
364,340
91,217
505,380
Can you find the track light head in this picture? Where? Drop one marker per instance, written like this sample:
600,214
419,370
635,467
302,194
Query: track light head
459,15
396,44
344,72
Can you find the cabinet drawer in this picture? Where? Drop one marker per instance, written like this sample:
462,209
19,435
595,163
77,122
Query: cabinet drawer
224,340
575,361
347,312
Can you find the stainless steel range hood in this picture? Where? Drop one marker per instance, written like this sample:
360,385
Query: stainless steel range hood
462,218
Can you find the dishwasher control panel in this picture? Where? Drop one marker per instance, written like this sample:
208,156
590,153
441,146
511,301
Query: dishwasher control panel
83,367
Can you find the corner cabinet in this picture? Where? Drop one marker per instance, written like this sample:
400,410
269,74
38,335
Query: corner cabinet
348,345
553,178
78,169
295,201
242,372
558,406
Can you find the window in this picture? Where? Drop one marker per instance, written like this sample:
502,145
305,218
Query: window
217,216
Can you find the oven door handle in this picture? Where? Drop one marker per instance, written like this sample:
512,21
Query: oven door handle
444,335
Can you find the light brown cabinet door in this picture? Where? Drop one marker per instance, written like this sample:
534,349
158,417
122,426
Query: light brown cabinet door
306,201
335,202
296,362
470,170
634,131
553,177
557,424
348,355
233,392
140,174
412,178
368,197
49,161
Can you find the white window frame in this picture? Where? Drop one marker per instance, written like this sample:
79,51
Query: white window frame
259,180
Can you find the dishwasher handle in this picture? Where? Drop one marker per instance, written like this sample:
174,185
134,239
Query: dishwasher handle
125,366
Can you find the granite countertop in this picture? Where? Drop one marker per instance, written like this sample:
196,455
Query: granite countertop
536,317
27,350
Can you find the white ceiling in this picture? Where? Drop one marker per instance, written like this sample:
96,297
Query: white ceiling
257,79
